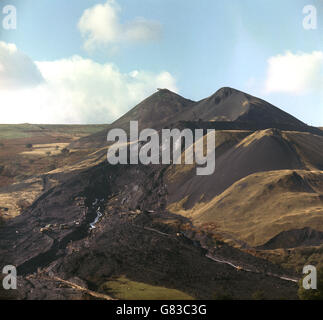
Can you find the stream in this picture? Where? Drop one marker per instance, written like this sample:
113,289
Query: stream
98,213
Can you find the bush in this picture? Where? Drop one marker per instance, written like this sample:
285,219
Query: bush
223,296
23,204
258,295
53,166
65,151
29,145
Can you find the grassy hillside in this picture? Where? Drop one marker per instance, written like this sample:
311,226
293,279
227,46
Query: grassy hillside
253,194
260,206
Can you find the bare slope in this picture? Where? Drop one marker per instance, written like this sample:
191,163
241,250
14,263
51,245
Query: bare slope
229,104
309,147
261,151
157,111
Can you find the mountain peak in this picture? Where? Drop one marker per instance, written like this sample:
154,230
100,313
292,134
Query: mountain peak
226,92
161,92
164,90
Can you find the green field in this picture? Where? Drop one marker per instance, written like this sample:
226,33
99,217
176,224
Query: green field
125,289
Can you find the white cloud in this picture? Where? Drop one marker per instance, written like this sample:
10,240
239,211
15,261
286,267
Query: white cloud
295,73
74,90
100,26
12,63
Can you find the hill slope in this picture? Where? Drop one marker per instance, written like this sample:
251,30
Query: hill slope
261,151
261,206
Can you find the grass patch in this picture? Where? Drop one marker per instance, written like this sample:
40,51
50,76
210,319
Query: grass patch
125,289
26,130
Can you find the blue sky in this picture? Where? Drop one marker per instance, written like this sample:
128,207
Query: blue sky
78,74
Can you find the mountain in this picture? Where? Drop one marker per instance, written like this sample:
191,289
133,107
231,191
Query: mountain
165,108
270,153
92,224
228,104
157,111
260,151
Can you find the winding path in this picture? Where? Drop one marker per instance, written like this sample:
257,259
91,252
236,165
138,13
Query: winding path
213,258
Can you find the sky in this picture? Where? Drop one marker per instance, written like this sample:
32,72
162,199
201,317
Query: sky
89,61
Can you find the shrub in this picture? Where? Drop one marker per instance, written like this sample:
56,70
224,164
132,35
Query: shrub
29,145
65,151
23,204
53,166
223,296
258,295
